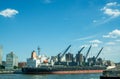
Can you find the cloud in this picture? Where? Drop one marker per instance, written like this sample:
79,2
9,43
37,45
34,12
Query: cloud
96,41
47,1
111,4
111,9
85,38
117,40
111,43
88,45
8,12
114,34
94,45
112,12
94,21
85,45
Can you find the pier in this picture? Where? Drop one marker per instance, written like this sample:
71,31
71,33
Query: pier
111,73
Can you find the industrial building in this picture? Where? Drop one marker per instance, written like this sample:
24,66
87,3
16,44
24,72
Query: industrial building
69,57
11,61
22,64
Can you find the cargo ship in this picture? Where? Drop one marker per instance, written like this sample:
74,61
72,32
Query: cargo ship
65,63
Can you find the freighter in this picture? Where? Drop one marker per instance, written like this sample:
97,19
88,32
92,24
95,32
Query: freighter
66,63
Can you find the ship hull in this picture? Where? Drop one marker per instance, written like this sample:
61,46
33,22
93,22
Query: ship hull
61,71
103,77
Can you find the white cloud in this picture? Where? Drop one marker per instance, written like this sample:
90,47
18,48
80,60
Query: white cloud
88,45
8,12
94,45
110,11
85,45
111,4
114,34
110,43
95,41
47,1
94,21
85,38
117,40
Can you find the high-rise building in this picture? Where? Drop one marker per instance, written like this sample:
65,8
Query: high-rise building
11,61
1,54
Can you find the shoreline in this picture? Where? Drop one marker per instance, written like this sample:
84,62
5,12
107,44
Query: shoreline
16,71
58,72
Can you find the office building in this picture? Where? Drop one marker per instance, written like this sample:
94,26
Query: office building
11,61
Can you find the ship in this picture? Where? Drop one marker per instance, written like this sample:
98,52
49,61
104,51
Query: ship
65,63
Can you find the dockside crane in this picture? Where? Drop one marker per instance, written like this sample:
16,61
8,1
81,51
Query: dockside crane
60,57
87,53
81,50
98,53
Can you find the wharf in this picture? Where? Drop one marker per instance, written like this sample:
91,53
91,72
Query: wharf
3,71
111,74
6,71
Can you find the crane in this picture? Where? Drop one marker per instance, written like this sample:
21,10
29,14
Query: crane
65,51
59,58
98,53
81,50
88,52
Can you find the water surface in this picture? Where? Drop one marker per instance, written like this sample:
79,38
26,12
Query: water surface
52,76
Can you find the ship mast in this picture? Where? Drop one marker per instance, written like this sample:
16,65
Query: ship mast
38,50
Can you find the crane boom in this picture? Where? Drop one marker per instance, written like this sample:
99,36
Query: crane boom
65,51
88,52
99,53
81,50
58,56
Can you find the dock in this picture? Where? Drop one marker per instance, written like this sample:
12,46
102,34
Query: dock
111,74
3,71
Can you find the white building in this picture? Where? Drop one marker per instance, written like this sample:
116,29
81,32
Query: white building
11,61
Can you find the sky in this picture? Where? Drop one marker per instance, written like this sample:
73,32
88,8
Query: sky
53,25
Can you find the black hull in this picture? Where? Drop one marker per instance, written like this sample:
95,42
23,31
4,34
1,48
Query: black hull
103,77
63,70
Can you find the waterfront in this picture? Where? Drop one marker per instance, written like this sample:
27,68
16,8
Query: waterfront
32,76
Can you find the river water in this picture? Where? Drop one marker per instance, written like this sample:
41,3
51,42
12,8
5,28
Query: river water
68,76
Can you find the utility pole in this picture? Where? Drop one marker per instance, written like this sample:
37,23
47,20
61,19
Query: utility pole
38,50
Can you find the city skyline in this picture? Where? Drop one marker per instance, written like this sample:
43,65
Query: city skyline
54,24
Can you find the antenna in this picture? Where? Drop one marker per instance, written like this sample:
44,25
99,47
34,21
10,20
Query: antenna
38,50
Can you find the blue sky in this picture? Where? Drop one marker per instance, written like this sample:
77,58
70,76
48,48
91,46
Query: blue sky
54,24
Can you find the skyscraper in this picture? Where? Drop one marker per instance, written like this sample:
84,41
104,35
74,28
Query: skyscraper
1,54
